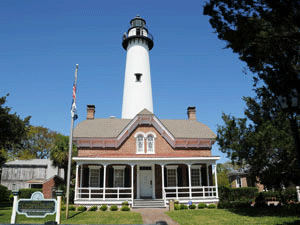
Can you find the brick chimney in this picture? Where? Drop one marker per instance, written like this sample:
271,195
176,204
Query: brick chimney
90,112
191,111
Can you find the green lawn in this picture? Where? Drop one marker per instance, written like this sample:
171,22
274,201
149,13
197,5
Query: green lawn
97,217
242,216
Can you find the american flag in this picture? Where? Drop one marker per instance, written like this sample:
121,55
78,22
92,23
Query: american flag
73,107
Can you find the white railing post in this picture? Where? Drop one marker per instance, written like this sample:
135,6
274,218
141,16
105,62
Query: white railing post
104,181
76,182
81,172
298,193
203,187
90,192
190,181
216,180
176,192
118,193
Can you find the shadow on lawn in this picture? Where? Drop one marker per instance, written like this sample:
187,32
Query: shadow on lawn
268,211
75,214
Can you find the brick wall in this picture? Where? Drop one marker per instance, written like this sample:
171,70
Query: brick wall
48,187
128,148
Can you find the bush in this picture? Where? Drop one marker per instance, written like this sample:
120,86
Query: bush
4,194
260,200
212,206
93,208
289,195
72,208
125,208
103,208
192,206
125,203
26,192
11,197
176,202
237,194
202,205
177,207
183,206
81,208
114,208
63,208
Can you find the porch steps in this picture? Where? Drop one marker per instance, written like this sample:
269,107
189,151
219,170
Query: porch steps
148,203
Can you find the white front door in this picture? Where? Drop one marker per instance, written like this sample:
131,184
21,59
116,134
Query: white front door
146,182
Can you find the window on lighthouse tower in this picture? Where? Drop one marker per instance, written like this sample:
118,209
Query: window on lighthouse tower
138,77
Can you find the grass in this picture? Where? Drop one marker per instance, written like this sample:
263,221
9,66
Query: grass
237,216
88,217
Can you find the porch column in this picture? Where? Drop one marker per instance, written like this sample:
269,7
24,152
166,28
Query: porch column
132,184
190,181
207,173
81,172
216,180
104,181
138,182
76,181
163,181
153,181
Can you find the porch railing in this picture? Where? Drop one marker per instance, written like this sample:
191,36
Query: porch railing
193,192
95,193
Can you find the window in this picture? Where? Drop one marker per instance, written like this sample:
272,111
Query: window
172,176
94,176
238,182
138,77
140,144
196,176
150,144
119,176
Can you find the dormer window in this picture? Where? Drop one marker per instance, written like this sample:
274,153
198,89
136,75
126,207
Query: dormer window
150,144
140,144
138,77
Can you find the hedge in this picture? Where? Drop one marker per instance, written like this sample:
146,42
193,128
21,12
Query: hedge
4,194
27,192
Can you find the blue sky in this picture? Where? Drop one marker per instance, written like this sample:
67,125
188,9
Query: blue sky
41,41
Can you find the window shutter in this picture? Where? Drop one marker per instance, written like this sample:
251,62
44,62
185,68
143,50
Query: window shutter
85,177
179,174
165,178
101,176
111,177
127,177
204,176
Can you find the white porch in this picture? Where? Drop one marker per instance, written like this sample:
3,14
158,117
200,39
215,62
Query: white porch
115,180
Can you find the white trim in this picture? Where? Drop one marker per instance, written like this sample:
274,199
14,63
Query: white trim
119,167
236,182
140,133
138,182
171,167
153,143
212,158
196,166
104,181
163,127
94,167
151,133
137,142
207,174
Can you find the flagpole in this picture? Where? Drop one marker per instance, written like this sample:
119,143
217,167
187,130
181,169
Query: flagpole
71,144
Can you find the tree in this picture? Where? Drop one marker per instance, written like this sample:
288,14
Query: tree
60,153
38,143
12,130
266,35
262,140
222,172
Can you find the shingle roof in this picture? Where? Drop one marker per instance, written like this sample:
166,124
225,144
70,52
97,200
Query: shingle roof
29,162
111,128
188,129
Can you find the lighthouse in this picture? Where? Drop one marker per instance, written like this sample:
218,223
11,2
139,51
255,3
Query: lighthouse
137,41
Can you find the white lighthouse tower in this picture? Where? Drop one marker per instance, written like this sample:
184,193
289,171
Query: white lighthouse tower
137,85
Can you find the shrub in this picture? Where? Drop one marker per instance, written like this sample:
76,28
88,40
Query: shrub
63,208
192,206
26,192
125,203
177,207
260,200
103,208
72,208
212,206
93,208
176,202
237,194
4,194
11,197
81,208
289,195
114,208
125,208
202,205
183,206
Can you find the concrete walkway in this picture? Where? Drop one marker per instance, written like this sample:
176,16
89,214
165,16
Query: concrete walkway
153,215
